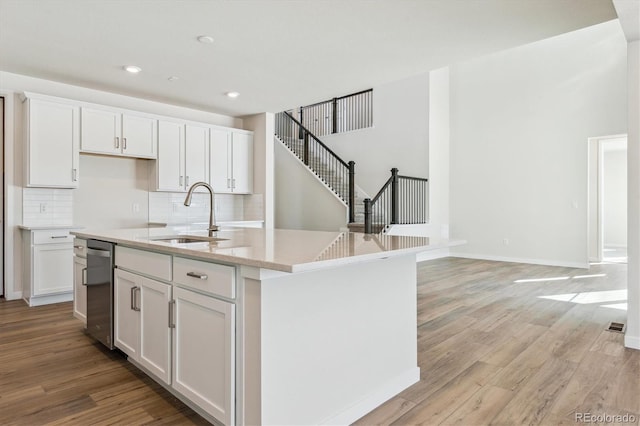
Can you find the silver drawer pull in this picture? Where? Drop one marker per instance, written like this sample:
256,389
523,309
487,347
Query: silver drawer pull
197,275
84,276
59,236
79,247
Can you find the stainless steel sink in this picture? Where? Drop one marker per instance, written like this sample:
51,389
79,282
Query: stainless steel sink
187,239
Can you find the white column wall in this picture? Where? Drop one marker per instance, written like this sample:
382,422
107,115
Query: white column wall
632,335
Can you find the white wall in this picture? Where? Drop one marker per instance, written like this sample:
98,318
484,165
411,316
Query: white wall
614,198
520,120
399,138
302,201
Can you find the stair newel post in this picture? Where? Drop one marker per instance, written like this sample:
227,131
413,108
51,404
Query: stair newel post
352,191
306,148
301,130
368,216
395,196
334,115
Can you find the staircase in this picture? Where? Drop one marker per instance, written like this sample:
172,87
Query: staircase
401,199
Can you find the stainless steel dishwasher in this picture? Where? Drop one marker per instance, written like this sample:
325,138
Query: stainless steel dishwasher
99,282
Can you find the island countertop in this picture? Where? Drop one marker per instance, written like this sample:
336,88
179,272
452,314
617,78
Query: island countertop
284,250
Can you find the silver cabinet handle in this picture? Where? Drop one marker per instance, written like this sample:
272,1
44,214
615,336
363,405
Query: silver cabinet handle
233,184
54,237
180,180
197,275
172,309
84,276
228,183
124,143
117,142
137,304
186,180
78,247
74,175
133,298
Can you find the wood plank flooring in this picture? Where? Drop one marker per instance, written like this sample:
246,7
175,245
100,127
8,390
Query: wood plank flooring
512,344
491,351
52,373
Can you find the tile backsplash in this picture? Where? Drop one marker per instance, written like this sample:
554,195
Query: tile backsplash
45,206
168,207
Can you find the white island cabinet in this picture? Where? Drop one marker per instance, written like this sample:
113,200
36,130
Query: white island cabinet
273,326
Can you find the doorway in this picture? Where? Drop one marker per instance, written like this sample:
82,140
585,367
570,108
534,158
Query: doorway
608,199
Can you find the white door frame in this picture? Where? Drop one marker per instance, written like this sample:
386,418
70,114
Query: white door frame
595,241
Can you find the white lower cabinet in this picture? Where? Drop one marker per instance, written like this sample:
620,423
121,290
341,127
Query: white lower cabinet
204,351
48,266
141,328
181,330
79,289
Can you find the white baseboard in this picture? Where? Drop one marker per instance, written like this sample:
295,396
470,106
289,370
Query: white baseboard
15,295
546,262
632,342
433,254
376,398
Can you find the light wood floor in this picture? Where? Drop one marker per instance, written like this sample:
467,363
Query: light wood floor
491,351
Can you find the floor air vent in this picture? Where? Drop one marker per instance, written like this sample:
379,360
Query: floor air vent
618,327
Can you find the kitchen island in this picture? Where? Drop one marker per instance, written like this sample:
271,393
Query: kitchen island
306,327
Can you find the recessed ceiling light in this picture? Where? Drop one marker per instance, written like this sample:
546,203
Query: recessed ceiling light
173,78
233,94
205,39
132,69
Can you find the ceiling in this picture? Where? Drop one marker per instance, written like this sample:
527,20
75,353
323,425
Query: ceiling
277,54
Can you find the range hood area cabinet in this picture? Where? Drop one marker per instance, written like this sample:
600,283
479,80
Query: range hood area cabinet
117,132
52,141
231,161
192,152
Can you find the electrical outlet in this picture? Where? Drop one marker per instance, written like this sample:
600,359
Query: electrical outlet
176,207
506,241
43,207
135,207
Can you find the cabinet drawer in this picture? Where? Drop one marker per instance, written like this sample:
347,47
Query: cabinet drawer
145,262
206,277
52,236
80,247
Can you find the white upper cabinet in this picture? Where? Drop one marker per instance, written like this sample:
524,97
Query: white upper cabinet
170,163
52,136
242,162
219,160
231,161
116,132
139,136
183,155
196,149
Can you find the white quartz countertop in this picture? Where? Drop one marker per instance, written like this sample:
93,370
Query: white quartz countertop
277,249
45,227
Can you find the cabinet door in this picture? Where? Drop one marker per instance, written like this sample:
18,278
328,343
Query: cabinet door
79,289
220,152
242,163
170,162
196,149
52,269
53,135
100,131
155,334
203,352
126,317
139,136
